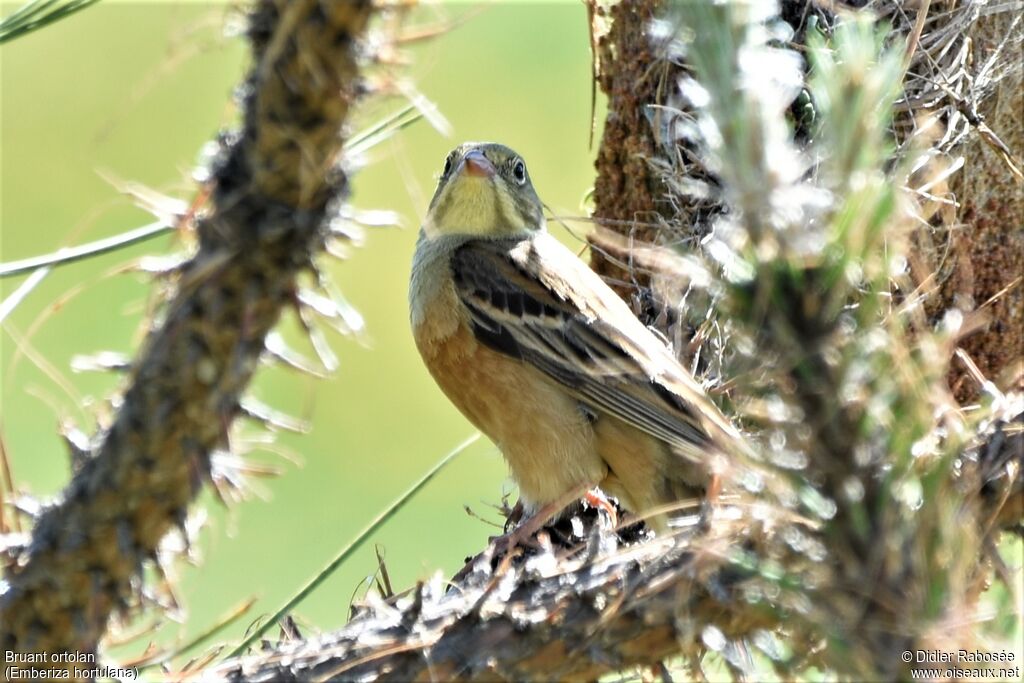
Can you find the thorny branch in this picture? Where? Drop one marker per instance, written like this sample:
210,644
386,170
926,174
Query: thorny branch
548,618
275,187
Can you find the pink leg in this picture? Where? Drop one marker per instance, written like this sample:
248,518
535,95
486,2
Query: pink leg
535,522
596,497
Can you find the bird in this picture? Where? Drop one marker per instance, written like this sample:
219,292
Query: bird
543,357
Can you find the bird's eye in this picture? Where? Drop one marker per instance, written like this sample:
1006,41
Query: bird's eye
447,166
519,171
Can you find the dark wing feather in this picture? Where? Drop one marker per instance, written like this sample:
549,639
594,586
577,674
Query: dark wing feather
532,299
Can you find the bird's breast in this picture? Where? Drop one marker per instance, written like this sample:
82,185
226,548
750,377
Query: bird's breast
541,430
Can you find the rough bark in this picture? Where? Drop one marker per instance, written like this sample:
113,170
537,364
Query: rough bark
986,238
627,189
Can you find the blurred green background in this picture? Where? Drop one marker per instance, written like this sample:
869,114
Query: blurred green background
133,91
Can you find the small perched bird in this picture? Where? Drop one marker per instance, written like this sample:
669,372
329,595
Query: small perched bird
542,356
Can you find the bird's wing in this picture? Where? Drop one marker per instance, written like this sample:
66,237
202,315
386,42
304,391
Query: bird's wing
533,299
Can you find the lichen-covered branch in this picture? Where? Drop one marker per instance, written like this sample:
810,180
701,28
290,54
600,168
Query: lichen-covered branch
274,185
549,618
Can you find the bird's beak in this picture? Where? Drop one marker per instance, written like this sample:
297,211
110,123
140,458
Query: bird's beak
477,165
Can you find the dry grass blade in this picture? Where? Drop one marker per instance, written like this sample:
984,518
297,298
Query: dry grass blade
352,547
67,255
232,615
15,298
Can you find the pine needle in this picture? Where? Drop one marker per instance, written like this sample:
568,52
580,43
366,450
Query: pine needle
37,14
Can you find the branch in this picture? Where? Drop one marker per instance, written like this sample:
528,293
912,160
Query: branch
275,188
548,618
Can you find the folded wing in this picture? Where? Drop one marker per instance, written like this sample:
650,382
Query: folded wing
533,299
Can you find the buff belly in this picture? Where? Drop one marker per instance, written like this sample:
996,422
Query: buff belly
545,436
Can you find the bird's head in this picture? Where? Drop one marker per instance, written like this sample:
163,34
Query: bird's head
484,191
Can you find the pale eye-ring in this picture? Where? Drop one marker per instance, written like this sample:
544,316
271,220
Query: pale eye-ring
519,171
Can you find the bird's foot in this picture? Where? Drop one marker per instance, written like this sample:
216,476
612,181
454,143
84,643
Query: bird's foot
513,515
599,500
709,501
531,523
